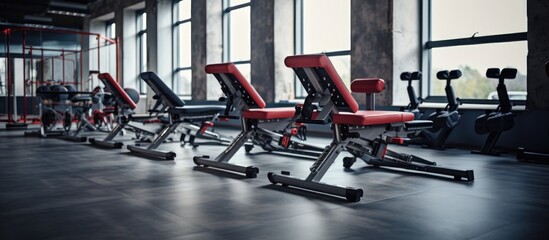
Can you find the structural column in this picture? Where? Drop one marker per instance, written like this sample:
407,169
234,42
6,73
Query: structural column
213,45
198,49
372,45
262,48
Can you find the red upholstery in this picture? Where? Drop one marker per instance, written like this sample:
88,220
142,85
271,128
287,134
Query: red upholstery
368,85
269,113
322,61
230,68
117,90
364,118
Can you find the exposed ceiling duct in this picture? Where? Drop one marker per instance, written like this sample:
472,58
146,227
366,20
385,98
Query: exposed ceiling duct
55,13
69,5
37,18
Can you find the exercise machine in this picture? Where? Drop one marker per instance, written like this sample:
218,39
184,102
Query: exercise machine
124,108
259,124
53,111
79,111
58,106
413,106
494,123
365,134
178,114
444,121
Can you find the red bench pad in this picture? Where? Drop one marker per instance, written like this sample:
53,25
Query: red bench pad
365,118
117,90
230,68
322,61
269,113
368,85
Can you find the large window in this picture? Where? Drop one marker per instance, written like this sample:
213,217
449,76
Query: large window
236,34
110,32
324,26
110,29
473,36
182,41
141,17
3,80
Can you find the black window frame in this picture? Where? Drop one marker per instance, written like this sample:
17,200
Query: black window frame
428,45
141,39
298,46
176,65
225,15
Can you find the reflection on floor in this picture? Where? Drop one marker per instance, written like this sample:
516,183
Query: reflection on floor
53,189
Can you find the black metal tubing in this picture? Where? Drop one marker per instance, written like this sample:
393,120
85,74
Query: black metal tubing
468,175
526,155
228,9
351,194
152,152
249,171
512,37
442,99
107,144
182,22
177,51
241,62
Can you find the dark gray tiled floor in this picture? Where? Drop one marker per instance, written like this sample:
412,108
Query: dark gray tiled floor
54,189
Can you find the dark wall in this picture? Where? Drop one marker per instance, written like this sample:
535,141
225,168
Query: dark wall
538,54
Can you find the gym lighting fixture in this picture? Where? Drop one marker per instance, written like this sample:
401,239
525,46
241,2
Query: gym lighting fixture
67,13
37,18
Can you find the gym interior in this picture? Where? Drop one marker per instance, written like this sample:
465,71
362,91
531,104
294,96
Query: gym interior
264,119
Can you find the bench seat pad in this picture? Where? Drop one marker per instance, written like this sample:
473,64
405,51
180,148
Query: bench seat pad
365,118
269,113
197,109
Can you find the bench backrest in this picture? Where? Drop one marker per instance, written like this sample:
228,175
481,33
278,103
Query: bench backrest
120,96
168,97
318,76
233,84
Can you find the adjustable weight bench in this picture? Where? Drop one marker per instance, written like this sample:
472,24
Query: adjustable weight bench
495,123
178,114
413,106
123,110
444,121
258,123
364,134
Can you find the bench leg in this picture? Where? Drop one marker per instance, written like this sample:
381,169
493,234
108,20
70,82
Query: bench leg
221,162
267,140
376,153
318,169
151,150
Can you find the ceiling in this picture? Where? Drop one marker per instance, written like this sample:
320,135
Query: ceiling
54,13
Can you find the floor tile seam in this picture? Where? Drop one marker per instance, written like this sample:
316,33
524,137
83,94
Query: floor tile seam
399,196
47,209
